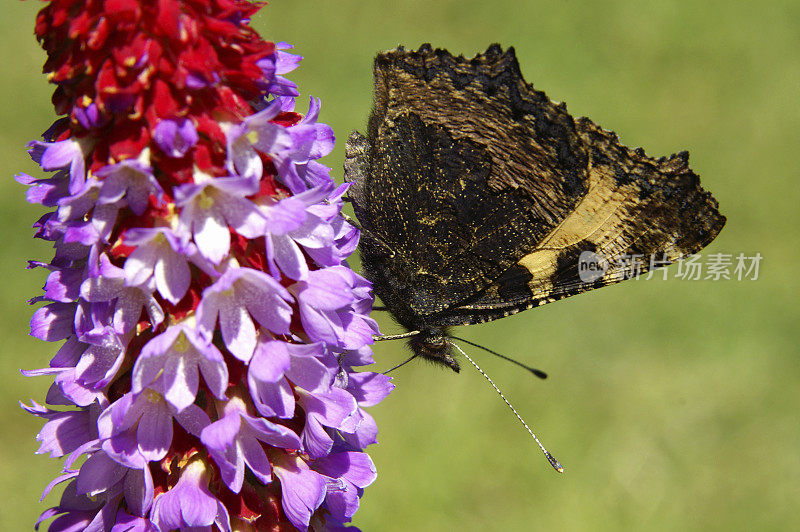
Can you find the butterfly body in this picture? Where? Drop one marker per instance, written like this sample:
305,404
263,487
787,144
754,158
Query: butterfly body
478,197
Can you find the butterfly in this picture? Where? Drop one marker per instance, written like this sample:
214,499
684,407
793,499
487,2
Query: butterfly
478,197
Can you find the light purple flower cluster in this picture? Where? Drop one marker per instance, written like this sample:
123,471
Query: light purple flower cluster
210,326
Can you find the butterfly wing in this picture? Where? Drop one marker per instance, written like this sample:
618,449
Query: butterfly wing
477,194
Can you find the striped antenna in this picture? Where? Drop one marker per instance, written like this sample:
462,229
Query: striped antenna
550,458
382,337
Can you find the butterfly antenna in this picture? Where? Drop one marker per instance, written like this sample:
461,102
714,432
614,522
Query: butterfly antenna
399,365
382,337
550,458
539,373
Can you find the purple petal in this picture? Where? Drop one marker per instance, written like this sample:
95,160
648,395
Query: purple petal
175,357
309,373
270,361
302,490
193,419
316,440
314,106
369,388
155,429
220,438
189,503
286,62
238,331
256,459
286,215
99,473
132,179
64,431
320,326
53,322
272,398
289,258
138,490
325,290
172,276
63,285
272,433
366,432
175,137
149,363
212,236
357,468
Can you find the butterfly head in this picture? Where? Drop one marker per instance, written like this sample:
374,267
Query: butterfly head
433,344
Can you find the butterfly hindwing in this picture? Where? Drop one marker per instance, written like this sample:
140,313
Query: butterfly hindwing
638,213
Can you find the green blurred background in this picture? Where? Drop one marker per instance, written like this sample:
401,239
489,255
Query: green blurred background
672,404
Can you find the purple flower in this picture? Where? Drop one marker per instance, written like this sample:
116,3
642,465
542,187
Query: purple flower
233,442
45,192
131,179
275,65
174,359
75,512
303,489
175,137
368,389
64,431
256,131
328,301
213,205
208,319
292,148
110,284
293,227
310,140
190,504
346,474
139,427
274,365
66,154
333,408
237,297
100,476
95,492
160,256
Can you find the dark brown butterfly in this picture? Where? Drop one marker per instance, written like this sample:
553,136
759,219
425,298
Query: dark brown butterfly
479,197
